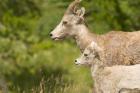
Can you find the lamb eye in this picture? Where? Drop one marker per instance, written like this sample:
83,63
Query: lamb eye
65,22
85,55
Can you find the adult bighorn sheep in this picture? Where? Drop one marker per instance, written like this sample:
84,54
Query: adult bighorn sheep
115,79
114,43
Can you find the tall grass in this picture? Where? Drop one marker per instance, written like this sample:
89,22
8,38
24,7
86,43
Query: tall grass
49,68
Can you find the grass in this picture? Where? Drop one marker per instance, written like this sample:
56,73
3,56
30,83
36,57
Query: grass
50,68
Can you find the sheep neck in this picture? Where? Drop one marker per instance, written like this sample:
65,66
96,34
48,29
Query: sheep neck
83,37
96,67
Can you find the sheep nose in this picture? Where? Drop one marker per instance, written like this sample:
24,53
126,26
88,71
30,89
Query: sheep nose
51,34
75,61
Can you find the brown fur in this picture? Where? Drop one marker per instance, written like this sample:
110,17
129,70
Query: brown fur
109,79
125,90
120,48
112,79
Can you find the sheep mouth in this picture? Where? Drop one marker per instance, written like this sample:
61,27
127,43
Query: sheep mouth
58,38
78,64
82,64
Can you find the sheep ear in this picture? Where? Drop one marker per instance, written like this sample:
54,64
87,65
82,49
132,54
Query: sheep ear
95,47
93,44
81,12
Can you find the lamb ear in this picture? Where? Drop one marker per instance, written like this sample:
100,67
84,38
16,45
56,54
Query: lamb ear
96,47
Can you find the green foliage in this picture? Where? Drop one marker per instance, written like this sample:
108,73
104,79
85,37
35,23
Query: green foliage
27,54
113,15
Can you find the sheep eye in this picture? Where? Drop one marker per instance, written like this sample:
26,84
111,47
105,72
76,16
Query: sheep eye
65,22
85,55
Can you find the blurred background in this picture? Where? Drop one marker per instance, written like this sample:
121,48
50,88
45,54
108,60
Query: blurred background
30,62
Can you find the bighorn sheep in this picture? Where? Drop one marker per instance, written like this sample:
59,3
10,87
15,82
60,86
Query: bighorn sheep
115,79
114,42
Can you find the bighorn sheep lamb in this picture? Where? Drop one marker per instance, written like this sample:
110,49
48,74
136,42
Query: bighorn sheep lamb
115,79
114,42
